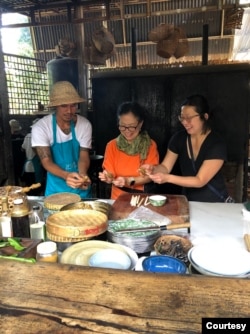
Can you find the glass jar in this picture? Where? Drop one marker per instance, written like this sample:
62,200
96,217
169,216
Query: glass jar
47,252
19,211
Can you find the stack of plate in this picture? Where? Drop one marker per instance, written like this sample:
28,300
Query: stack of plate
220,259
140,242
81,252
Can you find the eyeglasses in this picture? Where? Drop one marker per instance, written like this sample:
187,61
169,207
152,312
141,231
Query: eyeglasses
188,119
129,128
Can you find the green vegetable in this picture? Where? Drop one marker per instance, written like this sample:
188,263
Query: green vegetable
16,244
20,259
4,244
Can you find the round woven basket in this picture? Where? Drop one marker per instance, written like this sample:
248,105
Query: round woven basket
182,47
162,31
77,224
56,201
90,205
96,57
57,238
103,40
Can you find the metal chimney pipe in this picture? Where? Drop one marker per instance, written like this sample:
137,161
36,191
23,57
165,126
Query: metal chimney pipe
205,45
133,45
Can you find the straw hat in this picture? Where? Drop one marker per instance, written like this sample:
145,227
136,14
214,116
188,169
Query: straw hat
63,92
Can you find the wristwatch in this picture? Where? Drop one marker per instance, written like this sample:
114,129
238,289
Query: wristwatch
132,181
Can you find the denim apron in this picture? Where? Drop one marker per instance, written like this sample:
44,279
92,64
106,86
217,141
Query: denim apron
66,156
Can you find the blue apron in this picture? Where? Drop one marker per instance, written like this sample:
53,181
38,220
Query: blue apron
66,156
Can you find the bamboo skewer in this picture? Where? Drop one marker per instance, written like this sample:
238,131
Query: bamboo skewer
247,241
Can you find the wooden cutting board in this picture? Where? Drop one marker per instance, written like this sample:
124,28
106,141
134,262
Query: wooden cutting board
176,208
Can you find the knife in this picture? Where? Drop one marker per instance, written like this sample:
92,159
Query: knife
154,228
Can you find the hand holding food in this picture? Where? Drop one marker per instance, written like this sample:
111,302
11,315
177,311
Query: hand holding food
142,171
120,181
85,181
146,169
76,180
106,176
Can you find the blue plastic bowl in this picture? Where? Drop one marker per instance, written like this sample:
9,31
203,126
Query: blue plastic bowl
164,264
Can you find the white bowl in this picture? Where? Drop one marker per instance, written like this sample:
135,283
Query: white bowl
157,200
110,258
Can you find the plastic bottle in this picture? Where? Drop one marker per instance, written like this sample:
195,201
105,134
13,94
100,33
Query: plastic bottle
47,252
37,226
36,214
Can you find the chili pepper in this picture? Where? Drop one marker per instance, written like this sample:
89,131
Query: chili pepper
20,259
4,244
16,244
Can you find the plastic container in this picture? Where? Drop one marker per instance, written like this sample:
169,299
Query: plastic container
47,252
37,230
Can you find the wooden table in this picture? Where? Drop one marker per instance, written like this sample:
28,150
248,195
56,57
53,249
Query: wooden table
53,298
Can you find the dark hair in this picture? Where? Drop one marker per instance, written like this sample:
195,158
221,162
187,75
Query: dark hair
134,107
201,106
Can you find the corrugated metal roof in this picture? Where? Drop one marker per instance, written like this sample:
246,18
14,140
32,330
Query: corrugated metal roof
52,20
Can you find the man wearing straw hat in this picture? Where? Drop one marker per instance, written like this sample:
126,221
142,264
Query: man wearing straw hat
62,141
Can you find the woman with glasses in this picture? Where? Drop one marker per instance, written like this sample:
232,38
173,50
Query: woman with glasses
201,153
125,154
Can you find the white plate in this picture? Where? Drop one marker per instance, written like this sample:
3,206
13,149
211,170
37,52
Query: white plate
80,253
220,259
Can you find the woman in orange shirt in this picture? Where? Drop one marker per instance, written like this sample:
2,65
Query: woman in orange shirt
125,154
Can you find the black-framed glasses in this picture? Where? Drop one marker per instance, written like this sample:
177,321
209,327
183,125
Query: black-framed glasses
129,128
188,119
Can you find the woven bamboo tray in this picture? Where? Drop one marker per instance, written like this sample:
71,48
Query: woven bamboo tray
77,224
56,201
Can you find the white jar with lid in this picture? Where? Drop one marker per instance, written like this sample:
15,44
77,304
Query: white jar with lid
47,252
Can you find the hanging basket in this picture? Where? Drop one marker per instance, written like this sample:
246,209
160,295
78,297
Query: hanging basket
182,47
166,48
161,32
103,40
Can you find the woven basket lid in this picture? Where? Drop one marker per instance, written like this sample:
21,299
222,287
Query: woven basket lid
57,201
77,223
91,205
